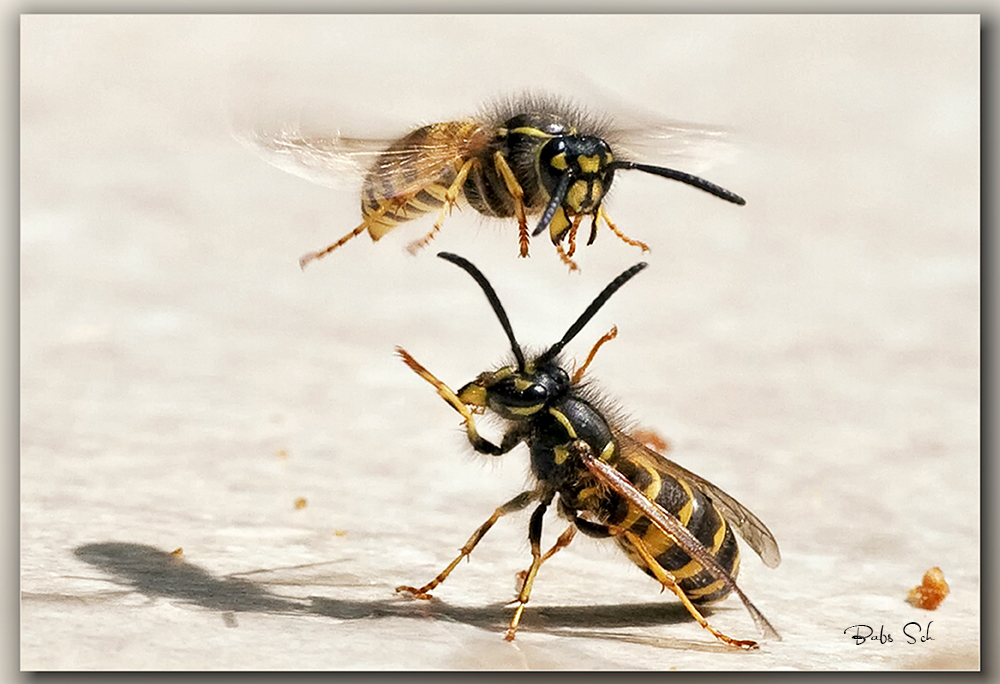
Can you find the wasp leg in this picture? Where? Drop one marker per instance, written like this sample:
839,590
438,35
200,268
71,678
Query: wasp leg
572,235
614,229
516,504
450,199
565,257
312,256
446,393
515,190
593,229
668,581
510,440
535,538
606,337
561,543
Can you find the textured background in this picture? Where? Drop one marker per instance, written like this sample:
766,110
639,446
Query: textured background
816,353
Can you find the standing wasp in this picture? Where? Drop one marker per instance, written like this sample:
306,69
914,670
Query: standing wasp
524,157
675,525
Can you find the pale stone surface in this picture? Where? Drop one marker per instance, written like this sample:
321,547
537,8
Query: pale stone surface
816,353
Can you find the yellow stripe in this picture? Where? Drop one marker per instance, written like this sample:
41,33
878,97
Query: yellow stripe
684,515
657,541
608,451
705,591
561,454
691,569
561,417
528,130
720,535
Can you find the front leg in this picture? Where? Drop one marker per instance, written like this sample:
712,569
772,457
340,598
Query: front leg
517,503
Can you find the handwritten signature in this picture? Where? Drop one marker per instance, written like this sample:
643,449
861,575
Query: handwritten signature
913,632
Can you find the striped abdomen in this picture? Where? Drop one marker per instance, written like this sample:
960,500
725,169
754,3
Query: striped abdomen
411,177
696,512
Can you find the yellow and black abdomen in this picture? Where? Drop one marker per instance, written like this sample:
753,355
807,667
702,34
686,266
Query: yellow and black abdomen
413,175
695,511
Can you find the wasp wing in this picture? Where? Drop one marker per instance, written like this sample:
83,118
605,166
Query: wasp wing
339,161
749,526
690,147
333,161
609,476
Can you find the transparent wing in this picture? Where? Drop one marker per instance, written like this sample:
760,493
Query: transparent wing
749,526
339,161
334,161
682,145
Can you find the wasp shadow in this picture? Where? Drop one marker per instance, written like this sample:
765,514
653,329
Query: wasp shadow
160,574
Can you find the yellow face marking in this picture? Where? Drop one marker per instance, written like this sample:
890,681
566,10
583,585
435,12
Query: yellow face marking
705,591
564,421
473,395
504,372
577,195
559,224
561,454
559,161
521,384
589,164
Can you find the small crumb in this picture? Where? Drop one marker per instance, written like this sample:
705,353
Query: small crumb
300,503
652,439
178,552
931,591
283,454
340,533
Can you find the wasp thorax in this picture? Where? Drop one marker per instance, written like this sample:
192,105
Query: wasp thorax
583,159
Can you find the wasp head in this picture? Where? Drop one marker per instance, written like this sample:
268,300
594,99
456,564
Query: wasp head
516,394
576,171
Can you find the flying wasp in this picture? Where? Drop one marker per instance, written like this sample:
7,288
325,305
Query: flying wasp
533,156
673,524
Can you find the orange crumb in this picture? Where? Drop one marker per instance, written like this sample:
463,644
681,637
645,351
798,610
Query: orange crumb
340,533
931,591
651,438
178,552
300,503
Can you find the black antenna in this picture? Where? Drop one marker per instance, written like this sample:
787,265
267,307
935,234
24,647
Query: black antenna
683,177
494,301
585,317
558,197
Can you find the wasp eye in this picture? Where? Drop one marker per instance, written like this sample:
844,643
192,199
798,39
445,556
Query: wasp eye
517,392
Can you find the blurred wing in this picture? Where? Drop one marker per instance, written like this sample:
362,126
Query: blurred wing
338,161
749,526
335,161
675,144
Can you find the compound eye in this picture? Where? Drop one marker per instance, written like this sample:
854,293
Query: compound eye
519,393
